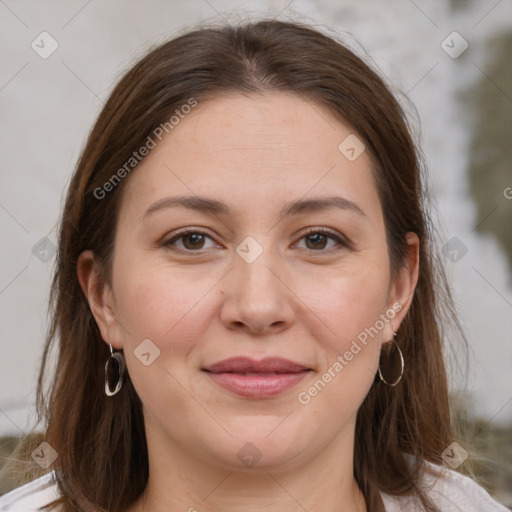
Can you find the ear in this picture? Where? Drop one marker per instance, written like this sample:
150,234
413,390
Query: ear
99,296
403,285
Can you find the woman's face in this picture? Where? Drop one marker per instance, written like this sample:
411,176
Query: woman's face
249,281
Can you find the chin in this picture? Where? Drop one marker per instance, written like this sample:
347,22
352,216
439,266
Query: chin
260,448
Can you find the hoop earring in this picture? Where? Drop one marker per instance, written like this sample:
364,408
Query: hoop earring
119,359
390,361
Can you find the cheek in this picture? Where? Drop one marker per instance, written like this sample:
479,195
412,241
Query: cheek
350,303
350,309
170,310
165,305
350,351
360,303
161,306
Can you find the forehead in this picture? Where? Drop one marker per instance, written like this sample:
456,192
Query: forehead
277,122
259,147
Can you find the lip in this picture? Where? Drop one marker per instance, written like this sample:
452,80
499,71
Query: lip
256,379
243,364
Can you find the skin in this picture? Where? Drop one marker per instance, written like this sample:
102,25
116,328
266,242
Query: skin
297,300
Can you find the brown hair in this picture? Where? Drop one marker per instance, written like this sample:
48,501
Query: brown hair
100,441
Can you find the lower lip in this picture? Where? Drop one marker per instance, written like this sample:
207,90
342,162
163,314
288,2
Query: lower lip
257,386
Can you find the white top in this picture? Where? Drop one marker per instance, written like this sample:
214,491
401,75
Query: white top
451,492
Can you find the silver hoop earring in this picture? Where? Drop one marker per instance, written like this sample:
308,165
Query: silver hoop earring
119,359
391,362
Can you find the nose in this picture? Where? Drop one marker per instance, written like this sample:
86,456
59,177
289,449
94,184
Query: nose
258,295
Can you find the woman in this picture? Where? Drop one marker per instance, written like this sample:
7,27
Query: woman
246,301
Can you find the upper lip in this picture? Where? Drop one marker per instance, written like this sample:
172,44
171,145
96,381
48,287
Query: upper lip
248,365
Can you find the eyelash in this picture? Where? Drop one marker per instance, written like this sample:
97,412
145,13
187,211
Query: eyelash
342,243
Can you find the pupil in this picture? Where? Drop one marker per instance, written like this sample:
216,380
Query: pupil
318,237
195,240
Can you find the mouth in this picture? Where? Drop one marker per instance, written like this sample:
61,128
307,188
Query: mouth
249,378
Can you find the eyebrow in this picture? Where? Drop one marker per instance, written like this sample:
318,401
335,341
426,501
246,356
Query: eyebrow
215,207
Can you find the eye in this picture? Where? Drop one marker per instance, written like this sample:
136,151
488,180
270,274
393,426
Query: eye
318,238
191,240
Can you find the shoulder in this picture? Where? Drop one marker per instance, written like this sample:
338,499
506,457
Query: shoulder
449,490
30,497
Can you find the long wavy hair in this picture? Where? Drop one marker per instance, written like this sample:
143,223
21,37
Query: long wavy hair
100,441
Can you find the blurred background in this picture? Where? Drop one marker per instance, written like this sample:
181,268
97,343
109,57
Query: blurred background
452,59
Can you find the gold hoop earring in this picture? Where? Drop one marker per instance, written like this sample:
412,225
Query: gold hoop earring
391,359
119,359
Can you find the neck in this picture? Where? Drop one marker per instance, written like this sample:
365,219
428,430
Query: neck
178,481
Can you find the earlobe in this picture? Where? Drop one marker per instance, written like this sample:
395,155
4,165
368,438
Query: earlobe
97,293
